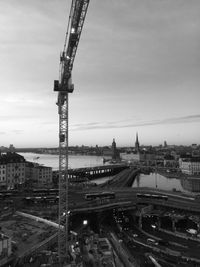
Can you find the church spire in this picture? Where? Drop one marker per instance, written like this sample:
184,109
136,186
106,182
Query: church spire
137,144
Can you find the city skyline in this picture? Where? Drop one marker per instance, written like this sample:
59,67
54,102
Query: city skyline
136,70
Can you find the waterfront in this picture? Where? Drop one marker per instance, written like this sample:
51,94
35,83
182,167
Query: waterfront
157,181
75,161
153,180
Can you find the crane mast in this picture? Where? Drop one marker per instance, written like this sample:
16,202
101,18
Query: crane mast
64,86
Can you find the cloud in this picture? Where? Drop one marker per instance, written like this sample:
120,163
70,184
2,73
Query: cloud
1,133
18,131
119,124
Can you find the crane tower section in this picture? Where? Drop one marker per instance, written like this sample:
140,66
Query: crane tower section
64,86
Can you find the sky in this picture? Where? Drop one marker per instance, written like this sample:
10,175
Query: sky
137,69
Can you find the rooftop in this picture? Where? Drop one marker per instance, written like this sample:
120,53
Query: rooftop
11,157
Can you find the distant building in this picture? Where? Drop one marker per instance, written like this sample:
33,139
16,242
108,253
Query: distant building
190,165
190,184
11,148
13,166
37,174
43,175
165,143
115,152
194,146
29,170
133,156
3,183
15,170
3,149
147,157
169,161
142,155
111,153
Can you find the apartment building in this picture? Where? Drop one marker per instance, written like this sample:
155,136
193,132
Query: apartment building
12,171
3,182
190,166
43,175
38,174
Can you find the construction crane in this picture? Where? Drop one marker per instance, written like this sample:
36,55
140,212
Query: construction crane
64,86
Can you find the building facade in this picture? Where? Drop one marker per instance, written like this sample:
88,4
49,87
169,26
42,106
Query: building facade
3,182
190,166
13,168
111,154
170,161
43,175
191,184
37,174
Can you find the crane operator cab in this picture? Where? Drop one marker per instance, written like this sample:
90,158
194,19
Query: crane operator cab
65,86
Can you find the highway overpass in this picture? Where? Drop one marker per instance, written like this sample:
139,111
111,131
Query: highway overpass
77,202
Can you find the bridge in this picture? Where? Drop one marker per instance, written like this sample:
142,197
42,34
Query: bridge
90,173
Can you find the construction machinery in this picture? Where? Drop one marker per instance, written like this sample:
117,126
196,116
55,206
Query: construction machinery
64,86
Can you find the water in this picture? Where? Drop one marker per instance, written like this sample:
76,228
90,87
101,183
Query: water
158,181
152,180
75,161
102,180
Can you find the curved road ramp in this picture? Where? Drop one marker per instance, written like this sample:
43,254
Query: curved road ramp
123,179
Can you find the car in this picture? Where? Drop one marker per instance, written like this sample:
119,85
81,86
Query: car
192,231
151,241
135,235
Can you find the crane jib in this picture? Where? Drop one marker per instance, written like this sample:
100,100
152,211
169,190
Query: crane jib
76,21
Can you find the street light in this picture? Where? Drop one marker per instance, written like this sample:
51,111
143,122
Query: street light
85,222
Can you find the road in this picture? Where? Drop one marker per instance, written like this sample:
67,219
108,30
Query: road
138,246
175,201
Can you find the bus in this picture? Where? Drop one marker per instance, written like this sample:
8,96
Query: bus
100,195
150,196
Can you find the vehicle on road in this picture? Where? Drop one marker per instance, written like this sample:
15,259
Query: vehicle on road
151,241
152,196
100,195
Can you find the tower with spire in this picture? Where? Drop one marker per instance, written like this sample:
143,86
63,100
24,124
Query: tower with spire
137,144
115,152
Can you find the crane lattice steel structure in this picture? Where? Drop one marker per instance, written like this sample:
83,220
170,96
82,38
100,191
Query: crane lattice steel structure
64,86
